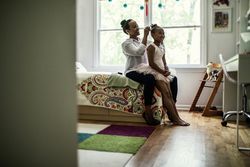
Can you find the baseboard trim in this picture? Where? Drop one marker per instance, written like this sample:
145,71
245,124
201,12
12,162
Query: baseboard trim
187,107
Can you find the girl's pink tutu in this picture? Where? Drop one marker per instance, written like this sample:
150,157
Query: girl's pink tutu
146,69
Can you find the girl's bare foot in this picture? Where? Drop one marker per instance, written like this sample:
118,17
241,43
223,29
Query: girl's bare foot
187,124
181,123
167,123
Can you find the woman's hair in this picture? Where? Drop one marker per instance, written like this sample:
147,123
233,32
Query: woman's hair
125,25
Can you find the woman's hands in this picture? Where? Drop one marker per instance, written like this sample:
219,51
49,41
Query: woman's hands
146,30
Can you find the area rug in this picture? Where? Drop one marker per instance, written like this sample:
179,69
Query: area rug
116,138
112,143
91,158
139,131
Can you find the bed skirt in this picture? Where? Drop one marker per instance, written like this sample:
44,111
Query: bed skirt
86,113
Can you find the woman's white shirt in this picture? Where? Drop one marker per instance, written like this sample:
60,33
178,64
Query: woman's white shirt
134,51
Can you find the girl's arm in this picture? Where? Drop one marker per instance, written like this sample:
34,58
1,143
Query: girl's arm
167,72
164,58
150,52
165,63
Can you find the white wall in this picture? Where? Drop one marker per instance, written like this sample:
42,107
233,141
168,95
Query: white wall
85,32
188,78
221,42
38,101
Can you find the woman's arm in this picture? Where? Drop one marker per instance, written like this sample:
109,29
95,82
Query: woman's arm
151,52
145,36
129,48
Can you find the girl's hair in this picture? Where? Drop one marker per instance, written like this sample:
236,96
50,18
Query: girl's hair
125,25
153,27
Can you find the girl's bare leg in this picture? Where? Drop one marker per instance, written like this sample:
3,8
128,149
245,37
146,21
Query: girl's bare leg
169,104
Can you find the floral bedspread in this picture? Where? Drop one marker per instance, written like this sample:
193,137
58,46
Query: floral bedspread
93,90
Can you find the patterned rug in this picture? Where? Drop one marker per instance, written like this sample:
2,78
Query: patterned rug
115,138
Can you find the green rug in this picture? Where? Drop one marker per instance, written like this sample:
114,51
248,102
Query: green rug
112,143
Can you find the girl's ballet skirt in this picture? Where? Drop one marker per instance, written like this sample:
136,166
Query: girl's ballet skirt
146,69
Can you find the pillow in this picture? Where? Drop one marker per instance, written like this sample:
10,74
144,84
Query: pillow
80,67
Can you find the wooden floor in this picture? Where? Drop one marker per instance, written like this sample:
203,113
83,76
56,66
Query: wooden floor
203,144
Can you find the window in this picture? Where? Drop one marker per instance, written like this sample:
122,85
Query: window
181,20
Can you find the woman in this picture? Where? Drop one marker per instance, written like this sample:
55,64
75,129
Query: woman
134,50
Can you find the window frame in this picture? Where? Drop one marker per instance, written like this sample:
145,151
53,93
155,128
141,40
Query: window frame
147,21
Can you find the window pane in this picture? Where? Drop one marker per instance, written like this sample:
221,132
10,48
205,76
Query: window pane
110,48
182,45
111,13
176,13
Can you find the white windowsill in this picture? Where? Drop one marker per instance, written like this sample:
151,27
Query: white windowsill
179,68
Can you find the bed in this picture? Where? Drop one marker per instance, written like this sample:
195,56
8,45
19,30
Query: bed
97,100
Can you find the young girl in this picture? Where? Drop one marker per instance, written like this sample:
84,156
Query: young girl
158,67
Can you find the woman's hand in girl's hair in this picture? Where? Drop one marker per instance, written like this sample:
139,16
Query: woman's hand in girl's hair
146,30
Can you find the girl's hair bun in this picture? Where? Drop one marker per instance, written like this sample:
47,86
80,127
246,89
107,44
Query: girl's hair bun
152,26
